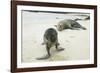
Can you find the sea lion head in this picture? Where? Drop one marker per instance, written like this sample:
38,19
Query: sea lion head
59,27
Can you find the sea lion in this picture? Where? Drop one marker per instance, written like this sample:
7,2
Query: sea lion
69,24
50,39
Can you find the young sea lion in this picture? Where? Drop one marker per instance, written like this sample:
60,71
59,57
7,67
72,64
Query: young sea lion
50,39
69,24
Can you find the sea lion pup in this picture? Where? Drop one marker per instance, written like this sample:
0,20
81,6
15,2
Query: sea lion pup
69,24
50,39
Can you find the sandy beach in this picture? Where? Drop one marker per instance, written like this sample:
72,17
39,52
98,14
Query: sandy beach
75,42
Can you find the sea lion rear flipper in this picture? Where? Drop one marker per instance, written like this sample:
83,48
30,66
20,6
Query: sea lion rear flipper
83,28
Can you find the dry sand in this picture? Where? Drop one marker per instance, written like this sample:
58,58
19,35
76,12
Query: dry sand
74,42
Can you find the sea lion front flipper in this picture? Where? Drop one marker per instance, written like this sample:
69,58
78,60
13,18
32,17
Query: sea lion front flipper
74,28
60,49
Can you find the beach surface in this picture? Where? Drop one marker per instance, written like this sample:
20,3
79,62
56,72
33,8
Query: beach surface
75,42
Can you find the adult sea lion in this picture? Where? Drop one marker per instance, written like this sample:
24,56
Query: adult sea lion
69,24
